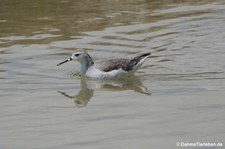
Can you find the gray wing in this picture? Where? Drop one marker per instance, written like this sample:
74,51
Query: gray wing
112,64
125,64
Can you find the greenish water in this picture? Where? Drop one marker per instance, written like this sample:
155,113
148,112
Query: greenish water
177,96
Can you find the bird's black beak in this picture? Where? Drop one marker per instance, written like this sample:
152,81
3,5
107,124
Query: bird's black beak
64,61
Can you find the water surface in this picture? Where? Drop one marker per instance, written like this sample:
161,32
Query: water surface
178,94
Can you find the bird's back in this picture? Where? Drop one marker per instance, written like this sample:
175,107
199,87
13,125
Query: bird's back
124,64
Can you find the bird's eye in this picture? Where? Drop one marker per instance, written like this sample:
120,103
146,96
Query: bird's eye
77,55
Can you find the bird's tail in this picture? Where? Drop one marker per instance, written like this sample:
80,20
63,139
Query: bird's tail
138,58
137,61
145,54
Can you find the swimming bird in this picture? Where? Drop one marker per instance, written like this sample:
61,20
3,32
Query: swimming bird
109,68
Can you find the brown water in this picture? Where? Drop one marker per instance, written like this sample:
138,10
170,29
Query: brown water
177,96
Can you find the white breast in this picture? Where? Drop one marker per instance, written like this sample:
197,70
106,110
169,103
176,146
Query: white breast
96,73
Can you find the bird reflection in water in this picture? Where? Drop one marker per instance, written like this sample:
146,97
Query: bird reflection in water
89,86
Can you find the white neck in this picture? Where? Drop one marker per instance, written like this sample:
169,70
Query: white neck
83,68
85,64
